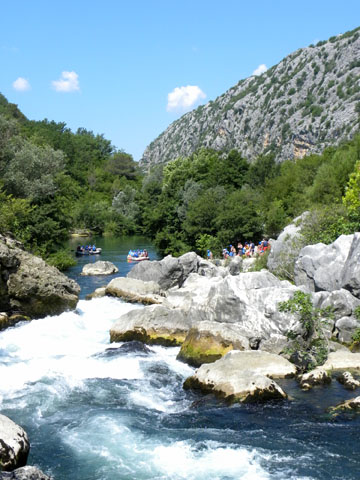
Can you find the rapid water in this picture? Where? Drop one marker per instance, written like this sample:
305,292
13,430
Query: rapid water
98,411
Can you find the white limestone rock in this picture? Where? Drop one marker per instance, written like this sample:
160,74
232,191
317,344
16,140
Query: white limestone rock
342,360
318,376
99,268
243,376
133,290
154,324
14,445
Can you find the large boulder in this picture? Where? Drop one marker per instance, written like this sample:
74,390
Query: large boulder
193,292
155,324
132,290
209,341
341,302
31,287
320,266
25,473
168,272
243,376
351,271
345,328
249,300
99,268
14,445
285,250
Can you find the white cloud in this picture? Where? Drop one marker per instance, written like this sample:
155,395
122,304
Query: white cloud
21,84
68,82
260,69
183,98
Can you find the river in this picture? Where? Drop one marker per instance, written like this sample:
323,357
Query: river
97,412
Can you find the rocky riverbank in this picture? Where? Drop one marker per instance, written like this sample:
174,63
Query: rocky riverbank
212,310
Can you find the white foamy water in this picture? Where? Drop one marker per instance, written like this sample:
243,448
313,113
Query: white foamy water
92,414
64,346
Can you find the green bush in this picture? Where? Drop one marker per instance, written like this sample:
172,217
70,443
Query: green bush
62,259
313,321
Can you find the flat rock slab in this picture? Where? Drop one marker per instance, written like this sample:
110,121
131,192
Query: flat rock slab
134,290
341,360
154,324
99,268
243,376
14,445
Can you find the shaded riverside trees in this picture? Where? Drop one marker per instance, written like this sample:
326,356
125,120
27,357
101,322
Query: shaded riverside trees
53,180
194,199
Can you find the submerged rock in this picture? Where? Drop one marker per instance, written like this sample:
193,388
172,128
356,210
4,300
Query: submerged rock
243,376
25,473
134,346
14,445
99,268
352,405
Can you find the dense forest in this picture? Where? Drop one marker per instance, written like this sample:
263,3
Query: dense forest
53,181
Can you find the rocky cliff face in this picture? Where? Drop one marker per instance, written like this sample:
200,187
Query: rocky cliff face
310,100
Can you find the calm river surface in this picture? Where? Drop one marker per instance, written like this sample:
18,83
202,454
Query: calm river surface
92,413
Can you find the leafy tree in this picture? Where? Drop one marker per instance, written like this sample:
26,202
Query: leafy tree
31,172
262,169
351,199
275,218
125,204
239,217
122,164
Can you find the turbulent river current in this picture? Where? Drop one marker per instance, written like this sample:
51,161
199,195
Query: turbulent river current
95,410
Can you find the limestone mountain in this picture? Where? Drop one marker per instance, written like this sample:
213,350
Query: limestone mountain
308,101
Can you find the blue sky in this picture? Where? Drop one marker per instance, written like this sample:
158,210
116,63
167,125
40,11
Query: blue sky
110,65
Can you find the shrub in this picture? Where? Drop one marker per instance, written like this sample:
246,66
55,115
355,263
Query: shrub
313,321
62,259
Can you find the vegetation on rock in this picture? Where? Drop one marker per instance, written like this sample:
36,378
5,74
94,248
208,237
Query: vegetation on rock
311,347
